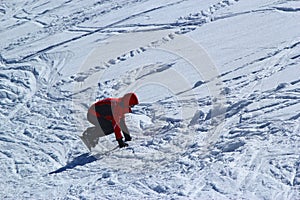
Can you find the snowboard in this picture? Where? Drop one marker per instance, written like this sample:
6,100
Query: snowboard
90,137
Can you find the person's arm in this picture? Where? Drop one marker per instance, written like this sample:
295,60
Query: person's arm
119,136
117,130
125,130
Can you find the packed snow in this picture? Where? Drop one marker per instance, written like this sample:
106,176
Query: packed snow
219,90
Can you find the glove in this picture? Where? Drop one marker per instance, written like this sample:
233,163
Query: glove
122,143
127,137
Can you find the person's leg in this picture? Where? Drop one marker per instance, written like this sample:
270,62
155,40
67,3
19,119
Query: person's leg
92,134
105,126
92,119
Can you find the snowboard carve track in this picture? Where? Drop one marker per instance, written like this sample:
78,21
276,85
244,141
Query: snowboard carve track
167,38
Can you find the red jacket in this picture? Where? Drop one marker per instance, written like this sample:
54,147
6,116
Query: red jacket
114,110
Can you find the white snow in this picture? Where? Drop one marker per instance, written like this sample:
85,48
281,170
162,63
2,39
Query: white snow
218,83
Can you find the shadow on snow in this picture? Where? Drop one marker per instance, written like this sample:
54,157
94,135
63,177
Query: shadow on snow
78,161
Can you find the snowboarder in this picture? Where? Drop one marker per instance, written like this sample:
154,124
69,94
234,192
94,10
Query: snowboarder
108,116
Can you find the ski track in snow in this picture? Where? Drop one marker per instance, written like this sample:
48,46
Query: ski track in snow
255,156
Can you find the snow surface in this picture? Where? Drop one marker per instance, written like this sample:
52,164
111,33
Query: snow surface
218,82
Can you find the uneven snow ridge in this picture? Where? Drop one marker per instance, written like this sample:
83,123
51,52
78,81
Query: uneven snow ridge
218,83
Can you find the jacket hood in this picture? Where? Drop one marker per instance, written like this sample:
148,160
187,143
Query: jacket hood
130,99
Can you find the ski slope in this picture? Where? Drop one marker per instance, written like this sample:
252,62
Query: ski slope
219,89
